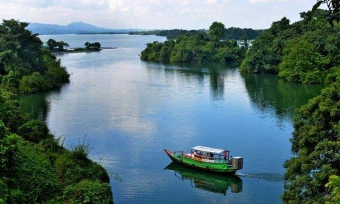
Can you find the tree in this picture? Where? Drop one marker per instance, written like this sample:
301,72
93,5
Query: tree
333,10
302,63
316,146
87,45
51,44
334,185
217,31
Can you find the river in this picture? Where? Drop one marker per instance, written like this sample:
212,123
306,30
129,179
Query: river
128,111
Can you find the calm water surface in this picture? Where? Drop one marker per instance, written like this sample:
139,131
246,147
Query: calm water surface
128,111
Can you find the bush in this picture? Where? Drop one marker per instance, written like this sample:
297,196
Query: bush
29,175
34,131
88,191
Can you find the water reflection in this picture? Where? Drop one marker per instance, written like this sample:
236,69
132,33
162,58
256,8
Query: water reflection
269,94
35,105
215,72
207,181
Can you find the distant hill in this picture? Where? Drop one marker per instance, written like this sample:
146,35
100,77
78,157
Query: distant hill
73,28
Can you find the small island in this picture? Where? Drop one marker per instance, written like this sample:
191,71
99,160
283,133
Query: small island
61,47
198,47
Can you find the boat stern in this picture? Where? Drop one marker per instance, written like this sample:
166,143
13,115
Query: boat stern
237,162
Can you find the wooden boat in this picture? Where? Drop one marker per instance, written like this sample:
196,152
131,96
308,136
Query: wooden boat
207,159
216,183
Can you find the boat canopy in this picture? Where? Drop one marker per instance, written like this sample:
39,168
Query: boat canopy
208,149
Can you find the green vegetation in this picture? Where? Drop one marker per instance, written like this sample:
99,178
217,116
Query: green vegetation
92,46
230,33
312,56
334,184
305,52
59,46
233,33
25,67
35,168
316,144
55,46
196,48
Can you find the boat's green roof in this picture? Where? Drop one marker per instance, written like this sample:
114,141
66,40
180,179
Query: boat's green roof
208,149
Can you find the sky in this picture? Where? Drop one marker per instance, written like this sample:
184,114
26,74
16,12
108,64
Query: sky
156,14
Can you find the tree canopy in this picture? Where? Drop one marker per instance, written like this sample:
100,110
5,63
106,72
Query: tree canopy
26,67
217,31
316,146
196,48
306,51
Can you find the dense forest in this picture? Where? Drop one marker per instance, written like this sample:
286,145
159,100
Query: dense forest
306,51
231,33
25,67
34,165
197,47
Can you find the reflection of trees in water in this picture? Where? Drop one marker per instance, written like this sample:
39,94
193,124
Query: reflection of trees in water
216,84
37,105
194,71
268,93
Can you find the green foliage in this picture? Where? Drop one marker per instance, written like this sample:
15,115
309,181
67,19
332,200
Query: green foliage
27,172
10,113
316,144
195,48
2,130
302,63
88,191
94,46
23,61
265,54
34,131
304,52
334,185
333,13
216,31
39,170
34,83
72,167
233,33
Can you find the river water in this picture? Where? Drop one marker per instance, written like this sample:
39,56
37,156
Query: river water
128,111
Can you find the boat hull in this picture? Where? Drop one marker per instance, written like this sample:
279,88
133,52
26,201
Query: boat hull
220,167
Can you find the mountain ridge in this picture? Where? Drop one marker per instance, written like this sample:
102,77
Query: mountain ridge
72,28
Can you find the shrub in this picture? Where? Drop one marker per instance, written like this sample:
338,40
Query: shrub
34,131
88,191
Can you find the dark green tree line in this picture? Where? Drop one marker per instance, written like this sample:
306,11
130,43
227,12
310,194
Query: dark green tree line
304,52
196,48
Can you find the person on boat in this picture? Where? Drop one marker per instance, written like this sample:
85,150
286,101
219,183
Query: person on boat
225,154
197,154
211,156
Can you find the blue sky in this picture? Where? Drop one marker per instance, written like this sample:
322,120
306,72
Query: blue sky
156,14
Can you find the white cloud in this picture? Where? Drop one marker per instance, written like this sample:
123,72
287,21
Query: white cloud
155,14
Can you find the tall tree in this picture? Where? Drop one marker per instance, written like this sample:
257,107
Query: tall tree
217,31
333,8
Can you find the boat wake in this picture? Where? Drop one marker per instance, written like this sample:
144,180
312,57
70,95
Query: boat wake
271,177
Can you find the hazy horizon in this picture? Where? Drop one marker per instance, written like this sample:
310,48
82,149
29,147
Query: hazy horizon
156,14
